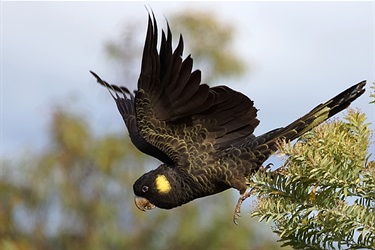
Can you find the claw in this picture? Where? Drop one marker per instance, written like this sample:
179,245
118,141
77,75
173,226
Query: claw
236,214
237,210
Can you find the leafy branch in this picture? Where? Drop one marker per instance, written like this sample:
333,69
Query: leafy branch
324,195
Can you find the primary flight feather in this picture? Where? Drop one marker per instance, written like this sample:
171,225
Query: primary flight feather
203,135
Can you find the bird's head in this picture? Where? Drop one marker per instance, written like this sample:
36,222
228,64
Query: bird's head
165,187
160,188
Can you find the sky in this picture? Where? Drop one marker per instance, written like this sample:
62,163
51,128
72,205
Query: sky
299,55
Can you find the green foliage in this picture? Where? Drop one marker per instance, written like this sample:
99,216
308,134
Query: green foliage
324,195
372,95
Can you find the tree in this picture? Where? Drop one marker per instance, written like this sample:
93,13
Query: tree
324,194
210,41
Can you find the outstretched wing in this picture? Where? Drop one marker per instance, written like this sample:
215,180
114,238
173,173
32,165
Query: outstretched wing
174,117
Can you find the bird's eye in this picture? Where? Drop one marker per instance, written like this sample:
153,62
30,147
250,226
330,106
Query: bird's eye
144,189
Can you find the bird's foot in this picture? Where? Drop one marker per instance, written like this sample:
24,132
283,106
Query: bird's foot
237,210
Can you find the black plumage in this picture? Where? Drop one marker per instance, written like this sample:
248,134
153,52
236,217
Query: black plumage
203,135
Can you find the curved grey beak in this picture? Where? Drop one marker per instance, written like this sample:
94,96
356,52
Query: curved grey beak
143,204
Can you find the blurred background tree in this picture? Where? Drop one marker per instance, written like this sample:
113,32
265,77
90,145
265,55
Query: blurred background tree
211,42
77,193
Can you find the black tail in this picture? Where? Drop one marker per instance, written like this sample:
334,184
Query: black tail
265,144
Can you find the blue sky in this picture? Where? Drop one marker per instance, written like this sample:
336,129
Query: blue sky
299,53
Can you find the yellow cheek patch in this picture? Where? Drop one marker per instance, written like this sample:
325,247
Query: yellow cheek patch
162,184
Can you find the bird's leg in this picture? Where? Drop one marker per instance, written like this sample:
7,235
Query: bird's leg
246,194
237,210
